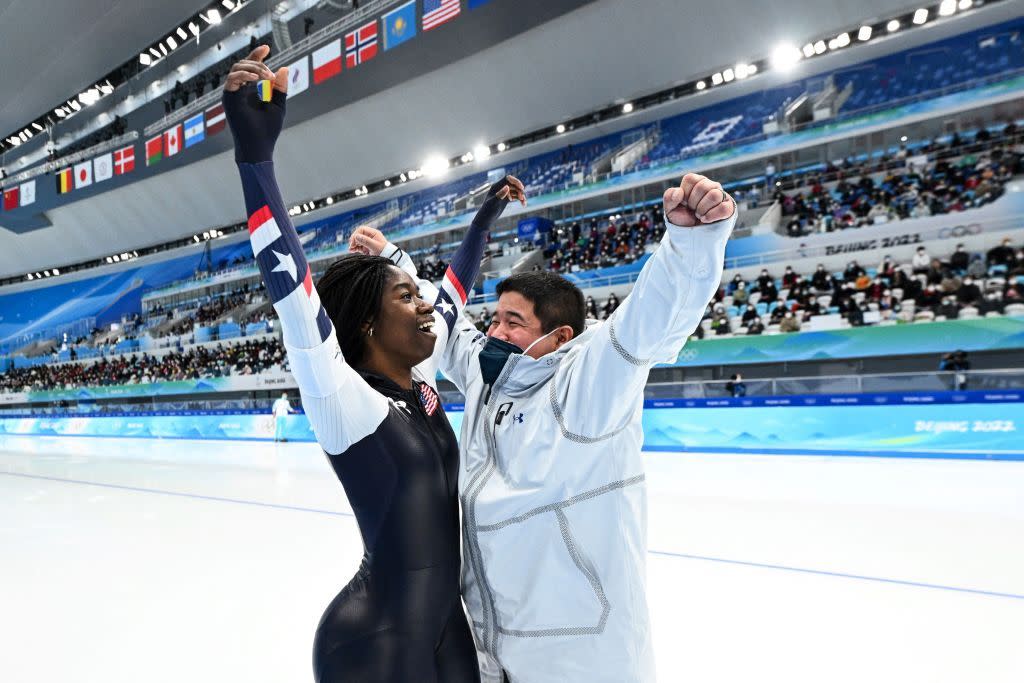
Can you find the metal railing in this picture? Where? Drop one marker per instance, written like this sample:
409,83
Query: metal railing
105,146
283,58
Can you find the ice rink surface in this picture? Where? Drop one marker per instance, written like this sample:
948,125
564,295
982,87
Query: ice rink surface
149,561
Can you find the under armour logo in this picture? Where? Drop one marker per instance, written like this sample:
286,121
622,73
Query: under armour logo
517,418
503,410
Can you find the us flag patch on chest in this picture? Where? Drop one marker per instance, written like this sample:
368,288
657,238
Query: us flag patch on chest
429,398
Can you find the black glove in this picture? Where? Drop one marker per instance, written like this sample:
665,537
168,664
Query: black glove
255,124
492,208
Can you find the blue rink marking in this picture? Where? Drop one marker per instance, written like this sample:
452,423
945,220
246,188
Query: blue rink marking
852,453
663,553
841,575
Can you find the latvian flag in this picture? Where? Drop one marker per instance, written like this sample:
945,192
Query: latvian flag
215,120
172,140
437,12
280,258
154,150
65,181
327,61
361,45
124,160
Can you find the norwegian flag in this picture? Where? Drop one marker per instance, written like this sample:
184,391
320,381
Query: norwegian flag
361,44
429,398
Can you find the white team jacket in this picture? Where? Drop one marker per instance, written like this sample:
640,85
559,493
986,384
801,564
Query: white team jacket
554,504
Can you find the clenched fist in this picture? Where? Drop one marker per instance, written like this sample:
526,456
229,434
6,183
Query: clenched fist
697,200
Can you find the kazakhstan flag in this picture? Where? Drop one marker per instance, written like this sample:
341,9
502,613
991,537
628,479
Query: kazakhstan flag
400,25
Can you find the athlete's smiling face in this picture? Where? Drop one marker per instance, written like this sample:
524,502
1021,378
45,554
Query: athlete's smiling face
403,328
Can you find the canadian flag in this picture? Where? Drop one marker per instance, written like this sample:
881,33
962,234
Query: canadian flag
172,141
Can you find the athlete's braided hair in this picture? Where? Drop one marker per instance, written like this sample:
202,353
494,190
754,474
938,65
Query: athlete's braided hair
350,291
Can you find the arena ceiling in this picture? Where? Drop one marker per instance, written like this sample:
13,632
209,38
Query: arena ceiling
51,51
600,53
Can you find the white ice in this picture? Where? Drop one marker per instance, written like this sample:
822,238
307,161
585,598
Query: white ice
148,561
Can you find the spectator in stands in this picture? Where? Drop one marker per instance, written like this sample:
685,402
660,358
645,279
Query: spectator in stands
853,272
959,261
993,303
763,280
969,293
855,314
778,310
811,308
756,326
740,295
822,280
921,261
720,320
749,314
591,308
1002,255
789,323
977,268
610,305
948,309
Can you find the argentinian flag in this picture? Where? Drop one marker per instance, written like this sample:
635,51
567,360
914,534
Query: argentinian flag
194,130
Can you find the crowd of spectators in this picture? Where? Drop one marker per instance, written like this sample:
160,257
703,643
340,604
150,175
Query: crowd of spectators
586,246
925,288
916,190
245,358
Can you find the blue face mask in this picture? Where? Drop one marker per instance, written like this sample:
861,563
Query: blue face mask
496,353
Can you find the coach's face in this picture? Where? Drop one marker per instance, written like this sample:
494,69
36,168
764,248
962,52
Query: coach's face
515,321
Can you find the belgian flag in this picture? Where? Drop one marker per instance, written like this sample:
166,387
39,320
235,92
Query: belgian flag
65,181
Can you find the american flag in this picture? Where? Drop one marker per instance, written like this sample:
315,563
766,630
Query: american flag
361,44
437,12
429,398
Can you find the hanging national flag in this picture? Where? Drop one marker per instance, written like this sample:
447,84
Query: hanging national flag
11,199
154,150
28,193
215,120
103,167
65,182
298,76
437,12
473,4
400,25
194,130
83,174
361,44
124,160
172,140
327,61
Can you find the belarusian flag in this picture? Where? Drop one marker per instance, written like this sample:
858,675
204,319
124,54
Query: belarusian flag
154,150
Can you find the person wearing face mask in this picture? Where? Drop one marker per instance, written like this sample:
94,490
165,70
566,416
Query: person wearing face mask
763,280
959,260
969,293
552,482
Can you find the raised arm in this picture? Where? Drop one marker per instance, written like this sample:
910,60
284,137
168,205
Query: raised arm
455,334
601,389
323,376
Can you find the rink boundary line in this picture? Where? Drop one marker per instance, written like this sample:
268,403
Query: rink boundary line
664,553
841,575
180,494
980,455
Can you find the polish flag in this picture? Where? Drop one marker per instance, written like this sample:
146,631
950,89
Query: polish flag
327,61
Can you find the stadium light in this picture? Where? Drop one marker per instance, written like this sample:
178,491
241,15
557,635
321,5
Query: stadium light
481,152
864,33
627,108
402,178
212,17
728,75
785,55
965,5
56,271
387,183
29,276
502,146
808,50
195,237
145,59
742,70
228,5
172,43
163,49
59,111
560,128
106,88
751,69
843,39
330,200
893,26
833,44
701,85
435,166
819,47
716,79
46,273
947,7
37,126
182,34
193,28
153,51
920,16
